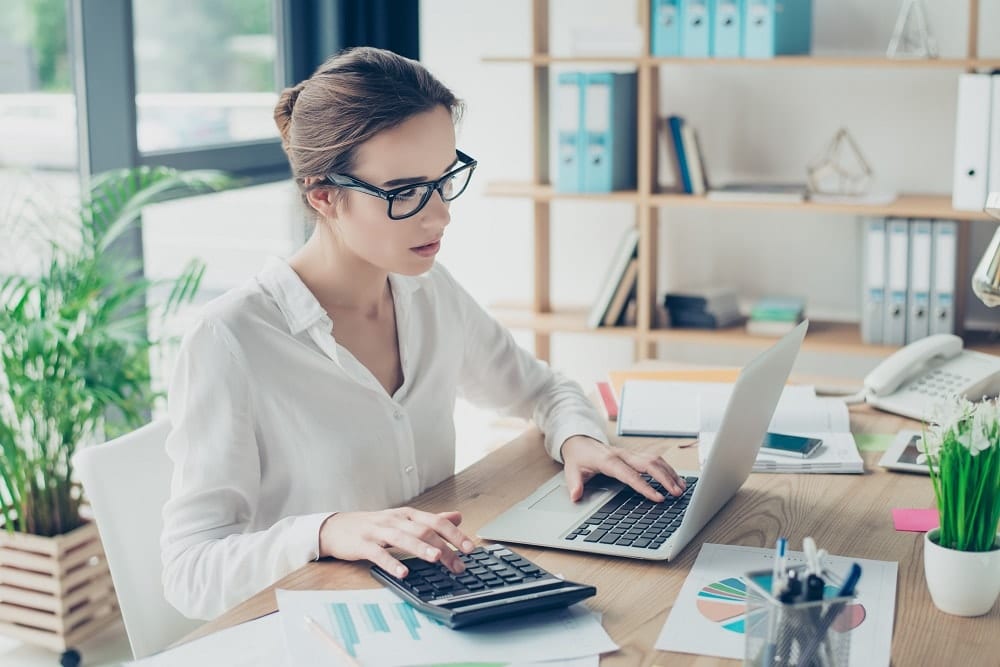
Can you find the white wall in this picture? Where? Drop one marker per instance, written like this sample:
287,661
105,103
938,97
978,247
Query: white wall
760,123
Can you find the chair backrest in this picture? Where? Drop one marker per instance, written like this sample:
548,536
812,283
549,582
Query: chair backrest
127,482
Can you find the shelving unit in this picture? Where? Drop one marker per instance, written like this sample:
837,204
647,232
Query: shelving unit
648,201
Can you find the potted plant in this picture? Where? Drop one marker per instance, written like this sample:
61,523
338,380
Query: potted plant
74,368
962,556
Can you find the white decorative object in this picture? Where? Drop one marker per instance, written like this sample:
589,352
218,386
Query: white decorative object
843,169
911,38
963,583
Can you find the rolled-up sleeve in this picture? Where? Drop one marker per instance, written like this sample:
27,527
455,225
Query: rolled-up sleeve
210,562
497,373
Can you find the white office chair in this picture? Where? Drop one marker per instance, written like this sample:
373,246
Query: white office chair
127,482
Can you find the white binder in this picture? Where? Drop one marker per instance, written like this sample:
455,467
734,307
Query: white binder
897,265
873,296
972,148
994,168
944,254
919,295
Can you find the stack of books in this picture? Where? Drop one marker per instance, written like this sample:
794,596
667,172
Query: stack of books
611,308
775,315
703,308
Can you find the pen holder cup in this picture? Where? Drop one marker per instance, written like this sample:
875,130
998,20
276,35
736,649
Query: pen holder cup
800,634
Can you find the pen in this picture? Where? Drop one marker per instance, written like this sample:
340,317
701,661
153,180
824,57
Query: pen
777,579
831,615
318,630
778,567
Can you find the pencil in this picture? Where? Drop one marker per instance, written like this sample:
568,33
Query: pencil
328,639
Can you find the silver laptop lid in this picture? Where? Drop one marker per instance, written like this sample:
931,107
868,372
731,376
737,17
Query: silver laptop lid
748,412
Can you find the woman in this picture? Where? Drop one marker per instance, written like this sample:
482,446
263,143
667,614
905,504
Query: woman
310,404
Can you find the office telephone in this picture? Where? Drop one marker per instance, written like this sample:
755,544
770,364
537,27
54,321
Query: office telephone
919,376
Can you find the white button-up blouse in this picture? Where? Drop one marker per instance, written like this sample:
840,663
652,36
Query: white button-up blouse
276,426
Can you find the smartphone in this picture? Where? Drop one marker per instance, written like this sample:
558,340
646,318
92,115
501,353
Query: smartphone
790,445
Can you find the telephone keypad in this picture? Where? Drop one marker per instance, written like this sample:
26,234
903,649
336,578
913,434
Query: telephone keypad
939,383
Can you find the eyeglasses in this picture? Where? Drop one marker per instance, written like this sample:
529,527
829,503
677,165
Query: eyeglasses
408,200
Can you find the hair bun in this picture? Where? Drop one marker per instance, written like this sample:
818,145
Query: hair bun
283,110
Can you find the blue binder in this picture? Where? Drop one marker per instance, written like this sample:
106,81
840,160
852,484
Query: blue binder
610,126
727,28
665,39
696,29
777,28
569,131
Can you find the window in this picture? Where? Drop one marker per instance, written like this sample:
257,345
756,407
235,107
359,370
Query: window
38,131
205,72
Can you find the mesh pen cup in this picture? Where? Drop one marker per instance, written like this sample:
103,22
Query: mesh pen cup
800,634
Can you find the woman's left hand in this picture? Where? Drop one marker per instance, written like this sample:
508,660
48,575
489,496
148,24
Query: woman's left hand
584,457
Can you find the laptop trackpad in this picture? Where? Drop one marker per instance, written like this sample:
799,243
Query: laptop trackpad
557,500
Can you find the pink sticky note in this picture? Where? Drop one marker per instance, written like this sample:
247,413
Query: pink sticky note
916,520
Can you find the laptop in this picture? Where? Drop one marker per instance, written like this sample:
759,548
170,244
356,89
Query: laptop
613,519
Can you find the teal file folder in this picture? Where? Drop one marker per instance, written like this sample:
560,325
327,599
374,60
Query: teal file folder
665,39
727,28
777,28
696,29
610,124
569,131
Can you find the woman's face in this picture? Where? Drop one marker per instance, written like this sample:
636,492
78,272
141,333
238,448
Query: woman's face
420,149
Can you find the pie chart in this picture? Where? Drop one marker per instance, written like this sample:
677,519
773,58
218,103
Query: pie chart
725,602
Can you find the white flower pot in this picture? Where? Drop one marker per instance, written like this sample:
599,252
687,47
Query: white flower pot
963,583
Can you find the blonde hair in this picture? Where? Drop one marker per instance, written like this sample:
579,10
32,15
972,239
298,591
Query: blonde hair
353,96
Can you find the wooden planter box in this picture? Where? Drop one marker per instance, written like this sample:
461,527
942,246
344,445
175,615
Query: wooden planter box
55,591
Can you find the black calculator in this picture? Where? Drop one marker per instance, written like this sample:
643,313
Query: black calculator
497,584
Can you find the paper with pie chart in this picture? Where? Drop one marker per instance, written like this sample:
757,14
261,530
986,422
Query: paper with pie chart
710,615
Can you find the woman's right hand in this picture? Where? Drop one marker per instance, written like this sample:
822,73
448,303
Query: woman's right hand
370,535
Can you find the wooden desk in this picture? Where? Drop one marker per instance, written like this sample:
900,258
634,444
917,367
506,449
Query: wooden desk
847,514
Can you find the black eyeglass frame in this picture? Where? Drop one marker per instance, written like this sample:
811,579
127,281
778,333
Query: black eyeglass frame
351,183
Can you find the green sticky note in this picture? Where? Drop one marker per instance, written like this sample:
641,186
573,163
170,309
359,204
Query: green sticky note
874,442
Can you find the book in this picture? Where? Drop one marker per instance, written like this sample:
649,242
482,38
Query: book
684,409
762,192
703,308
626,287
616,271
608,402
778,308
774,328
689,141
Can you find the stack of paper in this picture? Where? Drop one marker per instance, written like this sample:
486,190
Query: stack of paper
376,628
799,412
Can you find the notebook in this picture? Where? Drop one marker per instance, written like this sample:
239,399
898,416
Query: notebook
682,409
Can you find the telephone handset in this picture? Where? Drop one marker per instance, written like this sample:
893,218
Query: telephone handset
917,377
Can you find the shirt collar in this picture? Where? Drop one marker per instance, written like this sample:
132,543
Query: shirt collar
294,300
299,305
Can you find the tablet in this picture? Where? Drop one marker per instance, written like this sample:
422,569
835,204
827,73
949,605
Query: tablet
903,453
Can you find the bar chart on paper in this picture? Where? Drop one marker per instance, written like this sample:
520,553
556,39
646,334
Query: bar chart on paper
375,627
355,625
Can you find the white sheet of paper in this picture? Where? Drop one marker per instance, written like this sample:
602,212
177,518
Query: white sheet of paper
256,643
380,629
705,621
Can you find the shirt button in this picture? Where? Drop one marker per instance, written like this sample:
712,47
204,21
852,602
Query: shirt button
408,469
397,414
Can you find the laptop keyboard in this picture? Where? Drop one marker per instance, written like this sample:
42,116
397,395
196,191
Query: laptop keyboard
629,519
